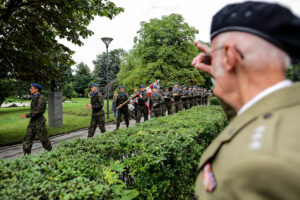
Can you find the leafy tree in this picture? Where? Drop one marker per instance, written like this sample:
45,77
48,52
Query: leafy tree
29,30
82,78
99,73
163,50
293,72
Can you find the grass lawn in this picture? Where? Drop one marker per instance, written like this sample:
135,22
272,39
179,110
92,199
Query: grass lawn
75,116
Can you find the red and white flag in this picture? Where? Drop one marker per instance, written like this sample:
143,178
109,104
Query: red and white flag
149,89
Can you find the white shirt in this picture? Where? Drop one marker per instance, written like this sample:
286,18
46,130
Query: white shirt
264,93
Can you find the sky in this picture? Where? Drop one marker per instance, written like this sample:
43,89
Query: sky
123,28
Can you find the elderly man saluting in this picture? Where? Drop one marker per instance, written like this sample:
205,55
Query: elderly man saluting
257,155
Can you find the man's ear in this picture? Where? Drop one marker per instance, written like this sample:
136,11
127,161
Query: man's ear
230,57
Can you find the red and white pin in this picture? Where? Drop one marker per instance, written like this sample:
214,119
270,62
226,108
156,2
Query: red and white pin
209,180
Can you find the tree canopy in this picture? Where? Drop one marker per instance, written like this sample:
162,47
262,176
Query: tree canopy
29,30
82,78
99,73
163,49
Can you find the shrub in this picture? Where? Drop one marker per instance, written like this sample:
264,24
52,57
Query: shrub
214,101
153,160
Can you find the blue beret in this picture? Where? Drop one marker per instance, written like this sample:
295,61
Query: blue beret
142,86
122,87
277,24
190,86
194,86
94,85
175,83
166,87
184,86
155,87
36,86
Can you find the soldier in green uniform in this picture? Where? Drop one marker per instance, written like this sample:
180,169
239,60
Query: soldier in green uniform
162,109
156,100
195,94
199,96
176,99
190,95
203,97
167,98
142,106
257,155
122,107
185,97
98,117
37,124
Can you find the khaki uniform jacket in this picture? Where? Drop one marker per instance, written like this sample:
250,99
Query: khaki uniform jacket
257,156
97,105
37,108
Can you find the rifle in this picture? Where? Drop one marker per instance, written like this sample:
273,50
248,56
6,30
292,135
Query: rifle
132,97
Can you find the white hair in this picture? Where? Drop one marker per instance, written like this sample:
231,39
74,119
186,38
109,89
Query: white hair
257,51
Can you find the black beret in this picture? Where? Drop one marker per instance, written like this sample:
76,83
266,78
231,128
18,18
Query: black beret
270,21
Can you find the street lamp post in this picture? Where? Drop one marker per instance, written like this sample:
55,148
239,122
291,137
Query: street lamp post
106,41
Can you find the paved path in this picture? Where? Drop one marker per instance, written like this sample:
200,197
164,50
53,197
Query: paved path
16,150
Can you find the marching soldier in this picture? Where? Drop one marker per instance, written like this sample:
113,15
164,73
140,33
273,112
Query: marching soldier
98,117
190,95
167,106
184,97
122,107
199,96
194,96
37,124
156,100
142,107
162,109
176,99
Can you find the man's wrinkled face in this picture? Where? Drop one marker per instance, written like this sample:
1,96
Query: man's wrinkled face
94,89
33,90
122,90
155,90
142,89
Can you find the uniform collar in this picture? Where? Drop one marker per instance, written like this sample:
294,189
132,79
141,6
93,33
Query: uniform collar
35,95
154,94
95,93
281,98
266,92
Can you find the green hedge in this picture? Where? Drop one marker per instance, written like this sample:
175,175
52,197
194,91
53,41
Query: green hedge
214,101
153,160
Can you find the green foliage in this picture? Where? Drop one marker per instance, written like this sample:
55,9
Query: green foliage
293,72
99,73
214,101
163,50
29,31
153,160
82,78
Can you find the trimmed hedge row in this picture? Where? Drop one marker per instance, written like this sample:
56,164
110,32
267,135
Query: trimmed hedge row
153,160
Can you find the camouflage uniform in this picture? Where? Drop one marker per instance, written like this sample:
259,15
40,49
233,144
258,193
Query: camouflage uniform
123,110
199,97
190,96
195,94
176,103
158,100
168,104
185,99
162,105
37,125
98,117
142,109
